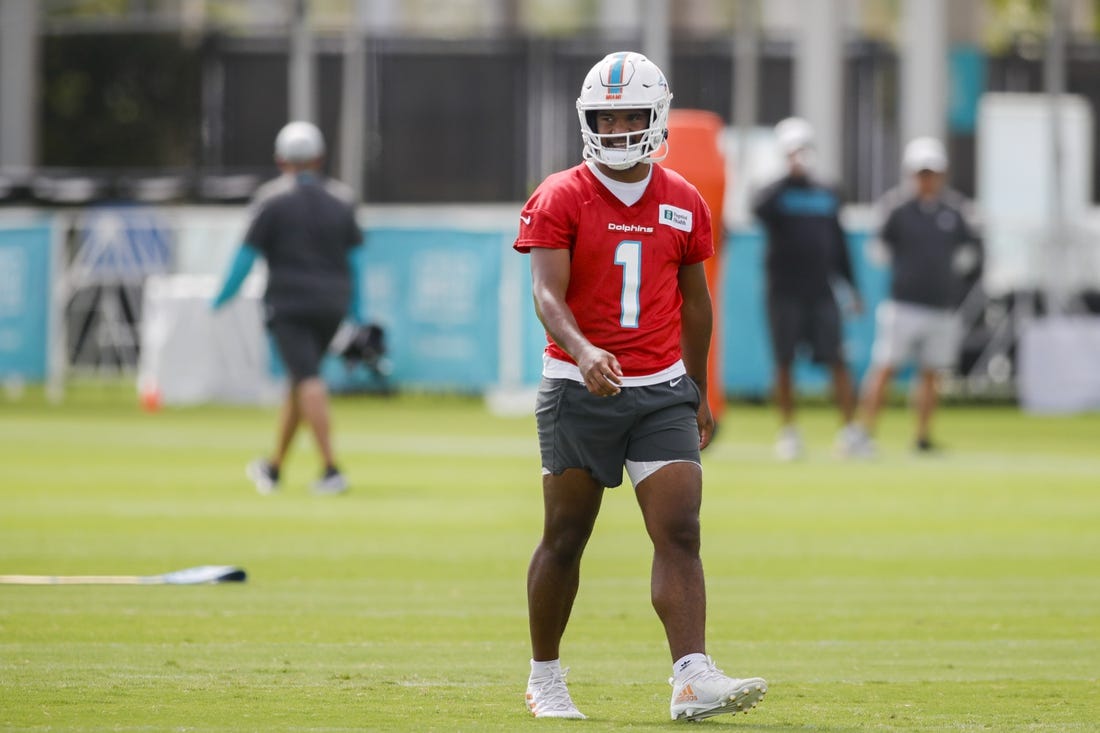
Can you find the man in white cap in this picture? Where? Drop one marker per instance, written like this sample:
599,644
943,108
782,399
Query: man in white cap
807,252
304,226
931,248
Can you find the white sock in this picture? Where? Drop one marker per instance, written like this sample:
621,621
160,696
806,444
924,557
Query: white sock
545,669
680,666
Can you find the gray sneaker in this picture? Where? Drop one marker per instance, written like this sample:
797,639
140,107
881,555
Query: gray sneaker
333,482
854,442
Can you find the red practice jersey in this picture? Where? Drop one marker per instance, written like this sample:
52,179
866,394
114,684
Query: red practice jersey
623,284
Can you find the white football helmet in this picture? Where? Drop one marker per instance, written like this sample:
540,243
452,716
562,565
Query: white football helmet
625,80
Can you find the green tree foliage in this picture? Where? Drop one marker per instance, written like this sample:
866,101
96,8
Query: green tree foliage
119,100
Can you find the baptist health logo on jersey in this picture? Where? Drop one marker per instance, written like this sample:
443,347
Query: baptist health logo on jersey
675,217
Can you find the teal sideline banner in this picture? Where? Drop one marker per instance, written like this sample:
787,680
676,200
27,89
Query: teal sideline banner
437,293
26,292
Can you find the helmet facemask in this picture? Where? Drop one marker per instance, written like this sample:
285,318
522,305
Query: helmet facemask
642,146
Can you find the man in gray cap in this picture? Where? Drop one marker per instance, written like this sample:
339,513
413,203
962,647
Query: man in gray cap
304,227
931,248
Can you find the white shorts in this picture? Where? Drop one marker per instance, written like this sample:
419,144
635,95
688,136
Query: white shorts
906,332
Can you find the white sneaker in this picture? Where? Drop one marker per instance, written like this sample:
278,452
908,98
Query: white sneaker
789,445
708,692
853,442
262,475
547,697
333,482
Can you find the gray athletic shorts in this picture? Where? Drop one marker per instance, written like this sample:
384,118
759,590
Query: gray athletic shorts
302,340
577,429
814,322
907,332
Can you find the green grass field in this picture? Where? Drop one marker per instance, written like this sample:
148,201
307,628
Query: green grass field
960,592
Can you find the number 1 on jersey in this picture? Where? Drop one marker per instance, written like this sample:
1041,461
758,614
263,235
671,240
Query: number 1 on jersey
628,255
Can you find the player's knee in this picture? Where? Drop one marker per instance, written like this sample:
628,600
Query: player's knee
564,541
681,534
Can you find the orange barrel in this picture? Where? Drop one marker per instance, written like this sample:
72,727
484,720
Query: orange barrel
694,153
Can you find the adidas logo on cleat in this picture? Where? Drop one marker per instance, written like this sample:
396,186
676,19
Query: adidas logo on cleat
686,695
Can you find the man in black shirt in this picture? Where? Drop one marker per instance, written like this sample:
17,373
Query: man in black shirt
931,247
807,251
304,227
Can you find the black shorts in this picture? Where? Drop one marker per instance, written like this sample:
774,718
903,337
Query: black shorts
814,322
302,340
577,429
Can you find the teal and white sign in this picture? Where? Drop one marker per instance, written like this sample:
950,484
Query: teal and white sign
437,294
27,263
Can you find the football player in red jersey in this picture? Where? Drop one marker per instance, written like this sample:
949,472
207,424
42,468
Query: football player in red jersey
617,245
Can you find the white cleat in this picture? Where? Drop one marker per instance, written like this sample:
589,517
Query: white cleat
548,697
709,692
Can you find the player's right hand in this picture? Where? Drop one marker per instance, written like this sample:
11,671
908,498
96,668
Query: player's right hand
601,372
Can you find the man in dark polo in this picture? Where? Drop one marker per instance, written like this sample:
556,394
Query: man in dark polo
304,226
807,254
930,248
